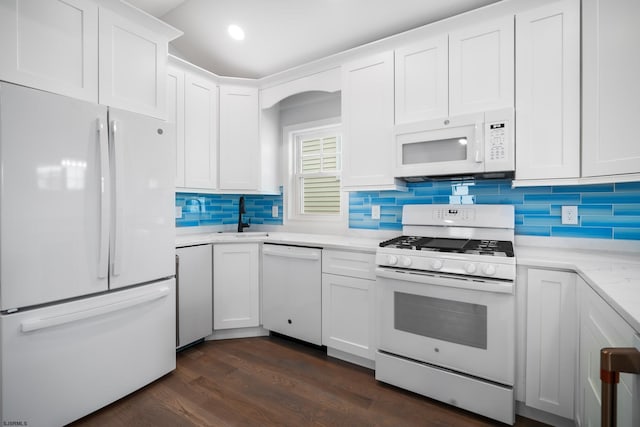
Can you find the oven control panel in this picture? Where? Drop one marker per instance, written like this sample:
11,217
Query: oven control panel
459,214
469,265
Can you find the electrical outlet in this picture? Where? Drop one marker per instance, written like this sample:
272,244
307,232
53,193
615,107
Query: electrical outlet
274,212
375,211
570,215
178,212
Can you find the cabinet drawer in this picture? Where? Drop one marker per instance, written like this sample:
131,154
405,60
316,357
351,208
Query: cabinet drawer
345,263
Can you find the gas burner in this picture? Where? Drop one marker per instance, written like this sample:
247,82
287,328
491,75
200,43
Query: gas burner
464,246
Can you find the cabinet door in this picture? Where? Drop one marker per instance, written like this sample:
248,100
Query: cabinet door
236,285
610,89
551,341
422,80
175,114
347,315
481,67
367,113
291,292
200,130
548,88
601,326
51,45
194,293
239,138
133,66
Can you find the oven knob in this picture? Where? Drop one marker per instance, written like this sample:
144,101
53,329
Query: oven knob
406,262
392,260
489,269
470,268
436,264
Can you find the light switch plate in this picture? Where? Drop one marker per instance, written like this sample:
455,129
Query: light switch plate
178,212
375,211
570,215
274,212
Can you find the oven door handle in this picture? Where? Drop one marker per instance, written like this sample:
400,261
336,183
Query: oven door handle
463,282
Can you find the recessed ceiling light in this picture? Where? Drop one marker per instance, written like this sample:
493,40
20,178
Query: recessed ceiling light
236,32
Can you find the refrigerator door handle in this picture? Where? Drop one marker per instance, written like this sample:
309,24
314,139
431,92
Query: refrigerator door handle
103,250
34,324
118,168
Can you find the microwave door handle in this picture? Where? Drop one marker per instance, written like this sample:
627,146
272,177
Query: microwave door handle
479,128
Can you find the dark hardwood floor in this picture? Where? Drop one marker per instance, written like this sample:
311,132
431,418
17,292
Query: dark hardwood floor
271,381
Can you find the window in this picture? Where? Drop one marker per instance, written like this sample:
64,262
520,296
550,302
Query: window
316,172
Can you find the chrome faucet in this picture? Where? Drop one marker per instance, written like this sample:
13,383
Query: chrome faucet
241,211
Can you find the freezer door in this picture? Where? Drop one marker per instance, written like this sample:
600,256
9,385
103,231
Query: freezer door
143,204
62,362
54,203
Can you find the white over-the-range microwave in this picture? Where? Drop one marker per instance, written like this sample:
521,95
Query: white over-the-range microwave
480,143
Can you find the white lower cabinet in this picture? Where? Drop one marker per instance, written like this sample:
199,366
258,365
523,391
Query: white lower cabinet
291,291
551,341
600,327
236,285
348,303
194,293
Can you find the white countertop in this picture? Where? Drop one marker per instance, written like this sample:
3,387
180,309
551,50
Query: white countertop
326,241
614,275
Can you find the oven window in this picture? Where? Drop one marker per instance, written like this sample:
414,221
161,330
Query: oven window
442,150
452,321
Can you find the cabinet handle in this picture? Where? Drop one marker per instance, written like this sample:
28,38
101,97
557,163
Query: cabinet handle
312,256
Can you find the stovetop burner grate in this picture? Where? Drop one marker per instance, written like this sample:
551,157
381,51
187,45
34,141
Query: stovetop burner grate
438,244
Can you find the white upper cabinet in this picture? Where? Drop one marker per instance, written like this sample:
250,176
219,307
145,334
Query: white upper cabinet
114,55
481,67
175,115
367,114
200,132
192,104
133,61
611,93
548,91
51,45
239,138
422,80
465,71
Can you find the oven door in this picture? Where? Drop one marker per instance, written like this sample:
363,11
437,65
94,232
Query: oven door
452,322
434,148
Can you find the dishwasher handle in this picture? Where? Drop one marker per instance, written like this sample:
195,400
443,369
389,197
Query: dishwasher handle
313,255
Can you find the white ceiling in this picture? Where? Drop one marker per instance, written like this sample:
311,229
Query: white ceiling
281,34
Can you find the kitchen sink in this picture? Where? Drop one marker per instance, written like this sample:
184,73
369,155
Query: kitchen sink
244,234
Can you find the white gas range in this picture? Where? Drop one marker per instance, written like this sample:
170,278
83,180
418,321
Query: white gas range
446,301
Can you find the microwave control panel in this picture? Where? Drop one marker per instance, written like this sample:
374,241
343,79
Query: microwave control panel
497,141
498,146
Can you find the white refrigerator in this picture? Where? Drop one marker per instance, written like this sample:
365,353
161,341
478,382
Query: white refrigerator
87,287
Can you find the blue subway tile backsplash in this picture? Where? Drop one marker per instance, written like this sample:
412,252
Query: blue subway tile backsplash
605,211
222,209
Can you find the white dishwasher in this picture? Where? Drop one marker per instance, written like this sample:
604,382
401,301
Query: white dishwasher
292,291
